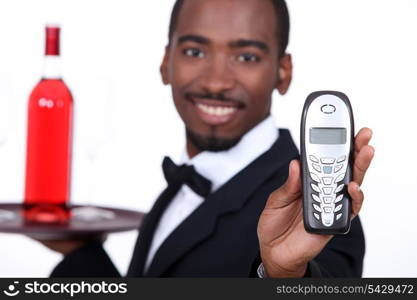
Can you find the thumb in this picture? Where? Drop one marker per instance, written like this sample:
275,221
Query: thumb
290,191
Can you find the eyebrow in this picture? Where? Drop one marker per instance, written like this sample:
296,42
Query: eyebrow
193,38
241,43
250,43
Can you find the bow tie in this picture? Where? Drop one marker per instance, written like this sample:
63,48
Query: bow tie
184,174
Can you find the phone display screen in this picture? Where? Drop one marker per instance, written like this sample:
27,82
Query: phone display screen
328,136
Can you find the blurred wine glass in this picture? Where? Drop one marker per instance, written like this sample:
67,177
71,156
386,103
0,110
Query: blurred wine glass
94,130
5,100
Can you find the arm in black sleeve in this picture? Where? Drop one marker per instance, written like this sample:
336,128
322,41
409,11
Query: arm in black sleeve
91,260
342,256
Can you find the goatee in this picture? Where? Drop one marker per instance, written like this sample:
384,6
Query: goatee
211,143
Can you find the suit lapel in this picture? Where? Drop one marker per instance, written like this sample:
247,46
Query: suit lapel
146,232
229,198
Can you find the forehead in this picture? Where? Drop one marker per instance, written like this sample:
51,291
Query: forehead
226,20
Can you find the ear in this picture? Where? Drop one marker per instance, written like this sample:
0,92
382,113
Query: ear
164,67
284,73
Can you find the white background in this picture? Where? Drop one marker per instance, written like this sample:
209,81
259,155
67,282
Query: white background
366,48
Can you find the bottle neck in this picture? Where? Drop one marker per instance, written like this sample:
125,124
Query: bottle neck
52,67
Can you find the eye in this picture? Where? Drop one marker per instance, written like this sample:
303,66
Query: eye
248,57
193,52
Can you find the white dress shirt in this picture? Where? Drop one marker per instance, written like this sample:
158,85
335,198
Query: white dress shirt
218,167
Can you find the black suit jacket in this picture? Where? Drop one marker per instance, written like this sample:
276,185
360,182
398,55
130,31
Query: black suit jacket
219,239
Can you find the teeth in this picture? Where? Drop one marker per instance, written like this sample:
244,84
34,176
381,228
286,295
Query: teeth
216,111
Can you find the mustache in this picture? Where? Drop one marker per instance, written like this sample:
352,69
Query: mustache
214,96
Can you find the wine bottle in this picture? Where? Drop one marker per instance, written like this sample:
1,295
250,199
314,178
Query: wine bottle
49,140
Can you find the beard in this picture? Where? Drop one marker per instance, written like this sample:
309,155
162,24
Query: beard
211,143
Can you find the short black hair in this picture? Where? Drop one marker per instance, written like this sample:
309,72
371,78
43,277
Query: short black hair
283,22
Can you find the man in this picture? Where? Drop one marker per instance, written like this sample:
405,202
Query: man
223,61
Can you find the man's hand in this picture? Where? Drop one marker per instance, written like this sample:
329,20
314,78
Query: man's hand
286,248
67,246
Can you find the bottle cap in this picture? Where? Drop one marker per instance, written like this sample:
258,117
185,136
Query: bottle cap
52,40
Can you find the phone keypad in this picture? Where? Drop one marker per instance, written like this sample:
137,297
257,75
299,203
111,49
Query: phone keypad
338,198
341,159
327,172
339,178
328,200
327,160
339,188
327,190
327,180
316,207
337,168
315,188
316,198
339,207
314,159
317,168
315,177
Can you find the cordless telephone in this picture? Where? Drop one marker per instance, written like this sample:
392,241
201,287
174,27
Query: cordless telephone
327,137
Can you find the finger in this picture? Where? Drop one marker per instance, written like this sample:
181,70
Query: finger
362,162
293,184
288,192
362,138
357,197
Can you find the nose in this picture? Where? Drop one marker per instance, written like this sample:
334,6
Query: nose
218,77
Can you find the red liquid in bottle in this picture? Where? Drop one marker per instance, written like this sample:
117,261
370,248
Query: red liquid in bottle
49,144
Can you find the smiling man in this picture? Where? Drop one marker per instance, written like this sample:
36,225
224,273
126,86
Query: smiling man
223,61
